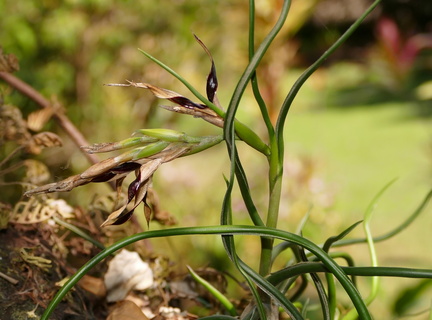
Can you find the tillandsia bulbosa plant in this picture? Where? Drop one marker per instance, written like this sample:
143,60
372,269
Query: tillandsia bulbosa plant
272,291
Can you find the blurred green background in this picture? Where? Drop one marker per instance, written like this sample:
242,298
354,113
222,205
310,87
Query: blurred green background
359,122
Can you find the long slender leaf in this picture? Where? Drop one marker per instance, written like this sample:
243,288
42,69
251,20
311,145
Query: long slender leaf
247,74
320,288
228,240
396,230
273,292
254,80
303,285
218,317
303,268
221,230
345,256
254,61
352,314
245,192
214,292
238,92
349,260
343,234
280,124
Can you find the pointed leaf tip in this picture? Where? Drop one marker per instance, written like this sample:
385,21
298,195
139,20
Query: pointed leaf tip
212,81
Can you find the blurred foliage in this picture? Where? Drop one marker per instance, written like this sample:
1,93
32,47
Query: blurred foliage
398,68
68,49
409,298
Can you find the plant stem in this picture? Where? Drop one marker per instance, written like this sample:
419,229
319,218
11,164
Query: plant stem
275,189
266,243
275,184
277,143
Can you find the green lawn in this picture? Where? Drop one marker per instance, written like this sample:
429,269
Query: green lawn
362,149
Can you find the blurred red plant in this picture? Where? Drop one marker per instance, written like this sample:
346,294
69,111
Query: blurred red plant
400,50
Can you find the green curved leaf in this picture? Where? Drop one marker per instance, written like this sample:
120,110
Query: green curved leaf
396,230
331,266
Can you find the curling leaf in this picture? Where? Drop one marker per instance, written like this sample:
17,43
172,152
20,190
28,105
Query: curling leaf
331,240
137,191
212,81
162,93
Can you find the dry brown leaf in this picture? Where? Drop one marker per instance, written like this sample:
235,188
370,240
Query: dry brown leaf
47,140
8,62
43,140
183,104
137,192
163,94
163,217
158,92
37,119
93,285
116,168
100,167
64,185
12,125
100,172
126,310
206,114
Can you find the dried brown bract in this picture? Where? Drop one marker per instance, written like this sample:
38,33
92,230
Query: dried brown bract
8,62
182,104
143,164
12,125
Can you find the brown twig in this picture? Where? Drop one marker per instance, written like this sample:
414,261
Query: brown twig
10,279
60,117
